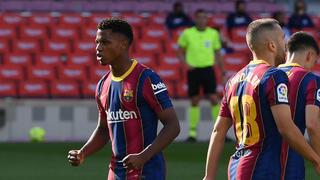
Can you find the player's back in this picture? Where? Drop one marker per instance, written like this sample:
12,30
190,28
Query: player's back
249,97
303,88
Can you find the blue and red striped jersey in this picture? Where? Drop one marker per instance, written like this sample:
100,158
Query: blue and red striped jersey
304,89
130,104
248,99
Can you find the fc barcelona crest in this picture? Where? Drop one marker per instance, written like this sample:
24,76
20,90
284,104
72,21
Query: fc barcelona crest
128,95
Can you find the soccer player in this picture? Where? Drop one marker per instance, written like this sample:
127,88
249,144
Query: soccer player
304,95
256,103
131,98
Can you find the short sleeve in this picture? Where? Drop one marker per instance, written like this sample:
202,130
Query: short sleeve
216,40
183,41
155,93
313,92
101,110
277,88
224,108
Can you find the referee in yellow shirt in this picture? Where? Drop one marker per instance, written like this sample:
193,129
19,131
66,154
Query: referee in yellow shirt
200,50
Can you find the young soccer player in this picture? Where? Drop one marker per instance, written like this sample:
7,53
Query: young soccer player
256,103
131,98
304,95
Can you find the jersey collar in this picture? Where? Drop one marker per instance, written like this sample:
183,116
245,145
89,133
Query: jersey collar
114,78
258,61
290,64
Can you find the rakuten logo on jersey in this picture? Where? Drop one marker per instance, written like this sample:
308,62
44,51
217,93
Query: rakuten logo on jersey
158,88
120,116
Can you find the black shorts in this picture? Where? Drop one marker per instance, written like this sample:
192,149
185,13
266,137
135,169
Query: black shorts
201,77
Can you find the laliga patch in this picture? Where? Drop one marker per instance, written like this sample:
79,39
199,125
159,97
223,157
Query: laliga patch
318,95
282,93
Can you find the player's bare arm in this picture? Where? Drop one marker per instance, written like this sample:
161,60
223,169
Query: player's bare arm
313,126
169,132
216,146
97,140
292,135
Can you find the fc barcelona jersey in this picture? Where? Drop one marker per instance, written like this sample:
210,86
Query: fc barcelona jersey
248,98
130,104
304,89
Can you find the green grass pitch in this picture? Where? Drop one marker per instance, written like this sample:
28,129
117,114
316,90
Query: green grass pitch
39,161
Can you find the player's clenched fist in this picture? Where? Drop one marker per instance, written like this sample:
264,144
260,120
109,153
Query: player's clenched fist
133,161
75,157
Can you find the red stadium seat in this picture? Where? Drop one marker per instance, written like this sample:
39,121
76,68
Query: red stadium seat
57,46
217,20
42,72
133,19
7,32
64,89
17,58
147,59
71,20
80,59
8,88
157,19
97,72
89,88
171,46
182,89
33,88
170,60
26,46
240,47
176,33
11,19
48,59
42,19
238,34
88,33
4,46
34,31
154,32
171,89
11,72
151,46
235,61
85,46
66,72
169,73
96,18
62,33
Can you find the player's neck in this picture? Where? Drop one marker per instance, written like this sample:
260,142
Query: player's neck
121,67
265,58
201,28
295,58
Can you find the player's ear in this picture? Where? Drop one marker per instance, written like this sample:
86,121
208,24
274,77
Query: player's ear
309,56
271,45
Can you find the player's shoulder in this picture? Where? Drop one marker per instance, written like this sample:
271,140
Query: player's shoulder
149,73
276,72
189,30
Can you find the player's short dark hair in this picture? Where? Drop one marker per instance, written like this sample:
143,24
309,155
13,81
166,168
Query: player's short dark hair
256,27
118,26
238,3
198,11
302,40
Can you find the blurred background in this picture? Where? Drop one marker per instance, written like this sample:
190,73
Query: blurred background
48,73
